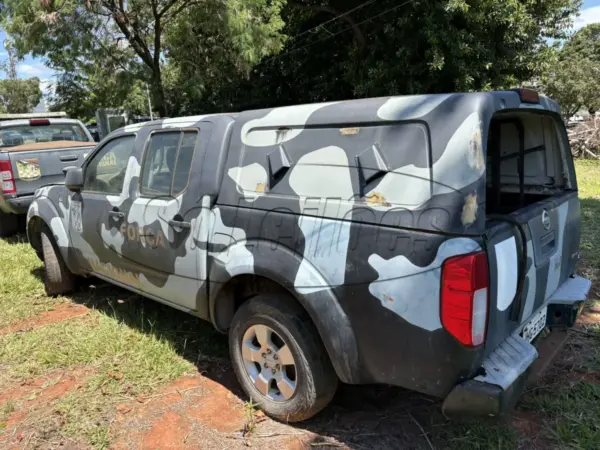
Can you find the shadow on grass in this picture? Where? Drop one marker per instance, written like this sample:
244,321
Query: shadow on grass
17,239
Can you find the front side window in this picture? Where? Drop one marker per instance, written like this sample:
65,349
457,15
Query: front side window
167,163
105,173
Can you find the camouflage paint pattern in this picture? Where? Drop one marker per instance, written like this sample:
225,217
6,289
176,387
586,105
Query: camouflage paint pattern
350,206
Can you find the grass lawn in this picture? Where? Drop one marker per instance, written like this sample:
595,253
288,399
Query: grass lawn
125,347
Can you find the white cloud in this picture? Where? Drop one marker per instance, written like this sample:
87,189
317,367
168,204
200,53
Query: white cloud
32,70
586,17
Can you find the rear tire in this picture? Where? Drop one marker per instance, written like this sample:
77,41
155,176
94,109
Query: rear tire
9,224
58,279
312,375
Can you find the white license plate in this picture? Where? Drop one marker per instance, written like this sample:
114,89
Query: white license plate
535,325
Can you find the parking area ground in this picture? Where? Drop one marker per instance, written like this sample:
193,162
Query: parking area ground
104,368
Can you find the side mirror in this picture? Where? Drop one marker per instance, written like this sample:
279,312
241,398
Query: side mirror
66,169
74,179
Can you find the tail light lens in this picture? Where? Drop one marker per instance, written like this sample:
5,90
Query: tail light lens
39,122
7,178
529,96
464,298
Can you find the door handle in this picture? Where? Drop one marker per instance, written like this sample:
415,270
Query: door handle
68,158
116,215
178,225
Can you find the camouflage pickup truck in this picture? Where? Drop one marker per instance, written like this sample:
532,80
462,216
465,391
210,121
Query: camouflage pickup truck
34,150
423,241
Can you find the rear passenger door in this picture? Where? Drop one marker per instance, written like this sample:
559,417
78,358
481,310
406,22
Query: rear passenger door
160,228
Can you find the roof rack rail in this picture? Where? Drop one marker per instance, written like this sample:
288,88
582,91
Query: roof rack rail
45,115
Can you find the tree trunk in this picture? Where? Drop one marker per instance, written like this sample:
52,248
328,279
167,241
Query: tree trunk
159,93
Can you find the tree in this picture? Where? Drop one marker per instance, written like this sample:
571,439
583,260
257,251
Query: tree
574,85
584,44
574,81
19,96
223,55
82,92
390,47
77,34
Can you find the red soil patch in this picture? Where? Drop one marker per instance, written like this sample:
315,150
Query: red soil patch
592,377
43,389
531,428
33,399
219,410
169,432
589,318
169,418
63,311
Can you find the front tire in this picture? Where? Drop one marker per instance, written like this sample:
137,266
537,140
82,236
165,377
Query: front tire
58,279
279,359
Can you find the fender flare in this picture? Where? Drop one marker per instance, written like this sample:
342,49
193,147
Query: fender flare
43,209
323,307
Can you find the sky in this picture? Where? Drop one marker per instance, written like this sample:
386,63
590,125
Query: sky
34,67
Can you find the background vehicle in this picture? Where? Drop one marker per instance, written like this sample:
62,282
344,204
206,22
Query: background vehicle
34,150
421,241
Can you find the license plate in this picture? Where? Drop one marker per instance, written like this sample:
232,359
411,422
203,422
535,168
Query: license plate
535,325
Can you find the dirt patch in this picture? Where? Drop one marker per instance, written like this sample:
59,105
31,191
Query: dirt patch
589,317
170,432
63,311
526,422
33,402
591,377
43,389
174,417
197,412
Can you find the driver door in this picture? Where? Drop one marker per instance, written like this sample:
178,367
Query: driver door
99,210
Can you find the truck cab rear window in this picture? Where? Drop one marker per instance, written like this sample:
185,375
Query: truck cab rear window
167,163
31,134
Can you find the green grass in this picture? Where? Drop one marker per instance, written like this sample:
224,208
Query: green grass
21,293
588,177
481,436
102,342
146,343
572,413
7,409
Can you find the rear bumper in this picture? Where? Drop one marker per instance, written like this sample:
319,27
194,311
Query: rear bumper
15,205
507,369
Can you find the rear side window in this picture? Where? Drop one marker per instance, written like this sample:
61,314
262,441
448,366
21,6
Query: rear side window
167,163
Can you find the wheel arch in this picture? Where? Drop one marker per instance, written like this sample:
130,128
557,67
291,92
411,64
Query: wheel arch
276,273
43,213
34,233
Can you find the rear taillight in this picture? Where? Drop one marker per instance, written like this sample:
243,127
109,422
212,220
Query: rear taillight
7,178
464,298
39,122
529,95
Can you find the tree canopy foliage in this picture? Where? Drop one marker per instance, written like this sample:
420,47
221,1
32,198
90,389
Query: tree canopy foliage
574,80
175,45
215,55
19,96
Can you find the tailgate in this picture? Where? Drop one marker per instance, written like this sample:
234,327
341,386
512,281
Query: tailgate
34,169
553,231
